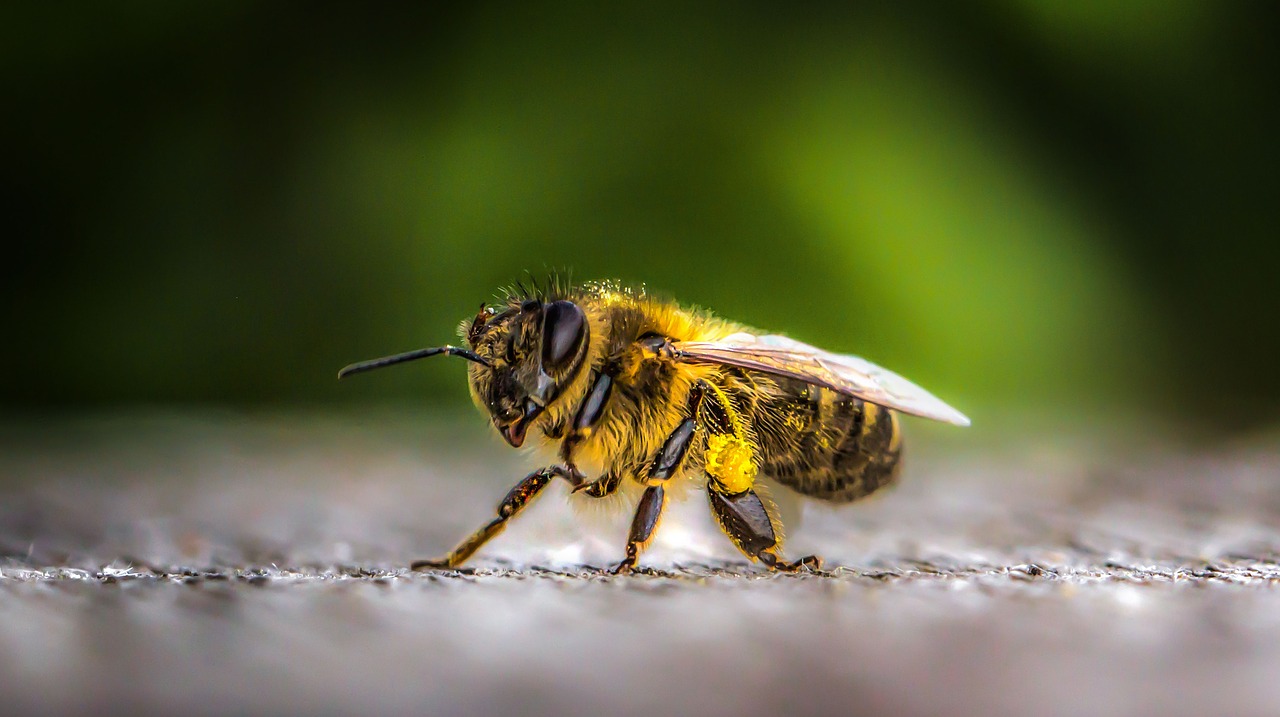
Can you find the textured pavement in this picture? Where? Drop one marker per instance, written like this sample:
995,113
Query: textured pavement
214,563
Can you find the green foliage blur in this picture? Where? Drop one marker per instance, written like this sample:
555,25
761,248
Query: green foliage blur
1063,206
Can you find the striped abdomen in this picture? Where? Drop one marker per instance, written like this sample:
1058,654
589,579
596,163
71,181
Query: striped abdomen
821,443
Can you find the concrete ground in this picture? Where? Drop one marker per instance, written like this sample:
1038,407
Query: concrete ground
222,563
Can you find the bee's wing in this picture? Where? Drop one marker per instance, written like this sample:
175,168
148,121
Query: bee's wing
851,375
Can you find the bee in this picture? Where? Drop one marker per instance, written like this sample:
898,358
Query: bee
625,389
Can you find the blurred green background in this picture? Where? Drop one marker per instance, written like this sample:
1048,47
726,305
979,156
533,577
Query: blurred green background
1058,207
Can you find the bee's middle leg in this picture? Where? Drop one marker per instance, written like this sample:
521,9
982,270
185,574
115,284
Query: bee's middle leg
665,464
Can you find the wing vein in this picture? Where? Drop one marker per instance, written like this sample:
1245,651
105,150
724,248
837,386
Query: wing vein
848,374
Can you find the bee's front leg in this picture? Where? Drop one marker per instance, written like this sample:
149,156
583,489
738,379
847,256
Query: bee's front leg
592,409
584,422
515,501
601,487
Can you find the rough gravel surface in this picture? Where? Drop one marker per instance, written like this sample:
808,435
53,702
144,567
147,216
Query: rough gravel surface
221,563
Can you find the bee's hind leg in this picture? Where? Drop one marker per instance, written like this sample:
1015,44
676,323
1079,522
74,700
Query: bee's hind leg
519,496
746,520
731,467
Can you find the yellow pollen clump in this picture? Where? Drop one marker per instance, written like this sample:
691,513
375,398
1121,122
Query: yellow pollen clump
728,460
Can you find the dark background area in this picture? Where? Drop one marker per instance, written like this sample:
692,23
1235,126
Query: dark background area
1067,208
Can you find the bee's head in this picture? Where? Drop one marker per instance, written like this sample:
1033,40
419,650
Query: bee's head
529,352
523,356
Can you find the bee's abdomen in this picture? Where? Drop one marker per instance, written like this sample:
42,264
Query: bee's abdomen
824,444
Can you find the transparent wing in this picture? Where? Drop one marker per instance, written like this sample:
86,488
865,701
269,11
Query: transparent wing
851,375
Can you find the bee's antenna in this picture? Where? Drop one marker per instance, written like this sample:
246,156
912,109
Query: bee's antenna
410,356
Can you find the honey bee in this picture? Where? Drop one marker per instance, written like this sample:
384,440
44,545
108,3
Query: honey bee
629,390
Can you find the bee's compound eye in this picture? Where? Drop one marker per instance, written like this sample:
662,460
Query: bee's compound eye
564,329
